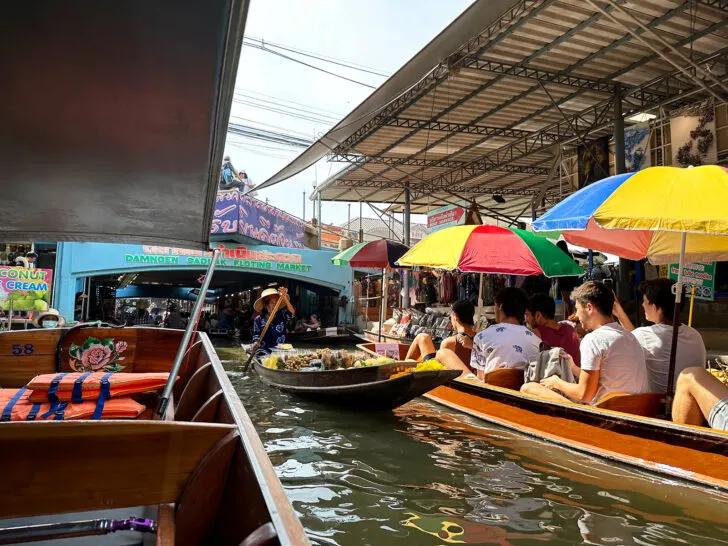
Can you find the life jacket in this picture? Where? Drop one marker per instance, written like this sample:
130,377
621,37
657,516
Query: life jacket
77,386
16,405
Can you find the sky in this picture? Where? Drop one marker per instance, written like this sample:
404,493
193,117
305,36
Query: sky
380,35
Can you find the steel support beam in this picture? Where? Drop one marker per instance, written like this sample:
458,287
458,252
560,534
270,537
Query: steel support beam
467,128
407,234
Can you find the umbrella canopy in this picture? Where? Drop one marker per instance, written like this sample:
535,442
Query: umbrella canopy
374,254
491,249
641,215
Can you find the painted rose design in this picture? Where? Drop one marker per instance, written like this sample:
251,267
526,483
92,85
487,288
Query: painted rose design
96,355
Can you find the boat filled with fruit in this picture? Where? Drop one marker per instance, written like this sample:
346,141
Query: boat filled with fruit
350,379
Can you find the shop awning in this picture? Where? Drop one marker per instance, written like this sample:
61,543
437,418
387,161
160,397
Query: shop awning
113,118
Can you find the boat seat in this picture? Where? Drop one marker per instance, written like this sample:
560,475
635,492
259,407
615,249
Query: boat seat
508,378
265,535
648,404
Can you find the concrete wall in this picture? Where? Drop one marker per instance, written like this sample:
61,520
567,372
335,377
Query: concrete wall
75,261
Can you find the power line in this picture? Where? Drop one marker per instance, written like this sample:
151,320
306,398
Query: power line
287,57
317,56
284,112
243,96
243,91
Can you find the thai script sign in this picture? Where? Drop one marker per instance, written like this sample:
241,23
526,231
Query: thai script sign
236,213
450,215
25,289
700,275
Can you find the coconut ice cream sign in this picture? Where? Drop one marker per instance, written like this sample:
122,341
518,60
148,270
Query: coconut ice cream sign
25,289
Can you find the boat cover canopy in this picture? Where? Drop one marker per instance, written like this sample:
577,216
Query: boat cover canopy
113,117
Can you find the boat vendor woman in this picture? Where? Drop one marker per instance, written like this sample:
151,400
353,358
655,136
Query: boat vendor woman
264,305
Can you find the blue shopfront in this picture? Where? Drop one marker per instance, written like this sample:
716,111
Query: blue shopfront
154,271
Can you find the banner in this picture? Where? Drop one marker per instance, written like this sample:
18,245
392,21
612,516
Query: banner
27,289
636,147
692,135
593,161
236,213
701,275
449,215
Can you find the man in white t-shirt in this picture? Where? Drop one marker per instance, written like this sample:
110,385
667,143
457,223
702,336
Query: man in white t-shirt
506,344
658,301
612,360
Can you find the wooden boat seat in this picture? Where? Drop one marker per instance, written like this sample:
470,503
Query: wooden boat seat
153,462
648,404
508,378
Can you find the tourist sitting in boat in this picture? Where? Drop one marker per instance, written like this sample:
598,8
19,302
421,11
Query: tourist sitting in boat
612,360
174,318
506,344
276,333
540,315
658,301
312,324
700,395
463,323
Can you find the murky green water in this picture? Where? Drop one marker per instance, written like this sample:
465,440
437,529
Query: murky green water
427,475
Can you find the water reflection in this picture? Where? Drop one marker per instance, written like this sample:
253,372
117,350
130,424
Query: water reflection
426,475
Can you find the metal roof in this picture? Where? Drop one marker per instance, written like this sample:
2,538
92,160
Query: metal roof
496,114
113,118
377,228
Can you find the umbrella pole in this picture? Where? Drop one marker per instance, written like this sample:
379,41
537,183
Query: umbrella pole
480,292
692,301
383,303
675,325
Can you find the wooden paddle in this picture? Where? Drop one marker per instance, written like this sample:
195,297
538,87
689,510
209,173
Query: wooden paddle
265,329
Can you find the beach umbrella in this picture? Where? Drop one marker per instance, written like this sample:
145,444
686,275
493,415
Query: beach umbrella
664,214
378,254
491,249
381,254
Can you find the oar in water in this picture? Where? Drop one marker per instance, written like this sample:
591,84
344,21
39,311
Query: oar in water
262,334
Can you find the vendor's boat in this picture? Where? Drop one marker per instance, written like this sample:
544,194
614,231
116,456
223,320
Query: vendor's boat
133,155
623,428
368,388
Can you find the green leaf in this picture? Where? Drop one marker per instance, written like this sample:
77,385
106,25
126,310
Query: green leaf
90,341
113,368
108,342
75,351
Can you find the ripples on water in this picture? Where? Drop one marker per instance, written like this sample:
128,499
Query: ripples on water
426,475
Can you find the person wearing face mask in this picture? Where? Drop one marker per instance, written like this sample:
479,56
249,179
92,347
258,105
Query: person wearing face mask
461,318
612,360
506,344
658,301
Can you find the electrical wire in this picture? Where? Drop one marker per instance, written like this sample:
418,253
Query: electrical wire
312,55
244,90
289,58
275,104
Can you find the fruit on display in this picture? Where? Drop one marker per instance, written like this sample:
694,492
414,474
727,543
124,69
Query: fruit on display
25,300
429,366
321,360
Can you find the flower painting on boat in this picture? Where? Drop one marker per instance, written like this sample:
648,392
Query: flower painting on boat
97,355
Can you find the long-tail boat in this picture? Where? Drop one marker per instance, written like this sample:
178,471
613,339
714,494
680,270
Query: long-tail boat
114,117
624,428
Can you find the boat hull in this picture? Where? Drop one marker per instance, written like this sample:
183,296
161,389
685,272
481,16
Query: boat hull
698,454
361,389
202,471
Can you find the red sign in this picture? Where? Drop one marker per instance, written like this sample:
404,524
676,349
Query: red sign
450,216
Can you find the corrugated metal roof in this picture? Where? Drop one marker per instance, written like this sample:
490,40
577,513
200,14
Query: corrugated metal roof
497,114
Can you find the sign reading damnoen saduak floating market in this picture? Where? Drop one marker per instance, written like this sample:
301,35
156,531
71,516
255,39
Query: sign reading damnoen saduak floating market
240,256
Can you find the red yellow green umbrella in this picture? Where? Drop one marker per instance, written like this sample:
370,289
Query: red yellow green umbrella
491,249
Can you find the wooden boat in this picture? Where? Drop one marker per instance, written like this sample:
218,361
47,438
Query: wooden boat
362,389
133,156
623,428
202,473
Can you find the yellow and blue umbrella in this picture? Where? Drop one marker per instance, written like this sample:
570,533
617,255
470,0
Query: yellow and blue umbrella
643,215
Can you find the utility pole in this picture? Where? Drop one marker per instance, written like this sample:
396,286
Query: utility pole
304,206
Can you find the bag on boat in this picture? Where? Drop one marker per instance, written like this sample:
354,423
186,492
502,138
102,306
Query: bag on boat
16,405
548,363
77,387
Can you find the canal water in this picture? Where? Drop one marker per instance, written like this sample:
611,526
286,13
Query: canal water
427,475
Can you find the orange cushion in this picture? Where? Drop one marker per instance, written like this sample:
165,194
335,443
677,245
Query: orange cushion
121,384
115,408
